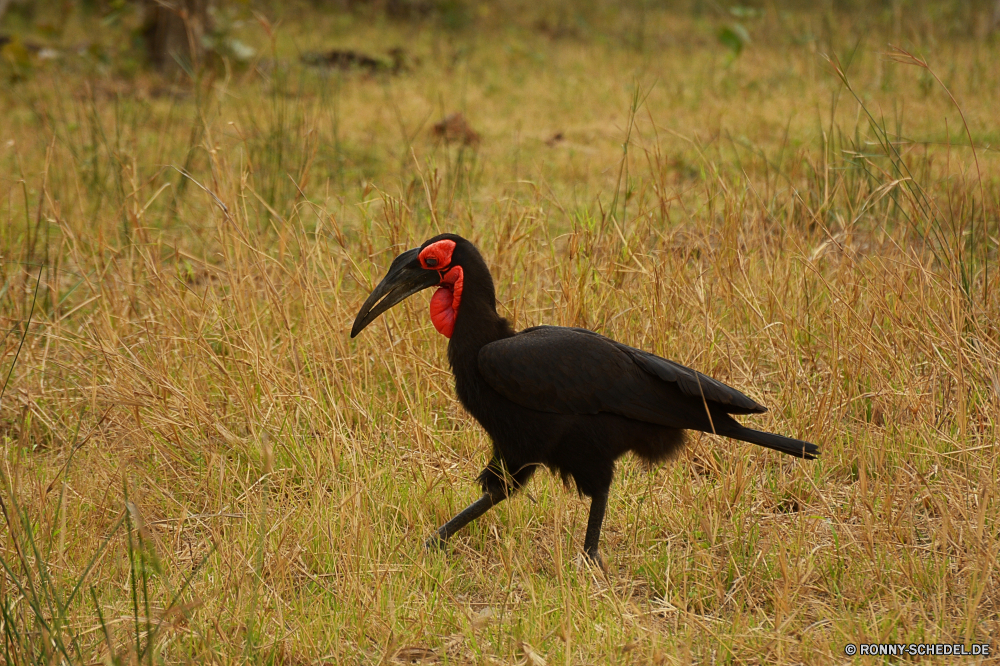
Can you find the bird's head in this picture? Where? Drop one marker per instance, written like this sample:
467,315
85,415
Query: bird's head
443,261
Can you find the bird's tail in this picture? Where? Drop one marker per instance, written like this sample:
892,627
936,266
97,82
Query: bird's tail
793,447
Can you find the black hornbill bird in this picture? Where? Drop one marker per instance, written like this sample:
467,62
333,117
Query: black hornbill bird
566,398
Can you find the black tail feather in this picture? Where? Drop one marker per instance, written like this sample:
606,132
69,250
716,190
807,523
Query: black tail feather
793,447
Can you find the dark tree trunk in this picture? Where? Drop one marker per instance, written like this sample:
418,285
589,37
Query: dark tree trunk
173,31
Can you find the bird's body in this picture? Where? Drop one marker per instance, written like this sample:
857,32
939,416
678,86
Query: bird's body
527,432
566,398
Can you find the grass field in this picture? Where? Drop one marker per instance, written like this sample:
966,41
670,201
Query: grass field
197,464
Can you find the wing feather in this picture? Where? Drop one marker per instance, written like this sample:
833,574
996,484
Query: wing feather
695,384
576,371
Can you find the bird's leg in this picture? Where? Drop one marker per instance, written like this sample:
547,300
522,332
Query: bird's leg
464,517
497,484
598,504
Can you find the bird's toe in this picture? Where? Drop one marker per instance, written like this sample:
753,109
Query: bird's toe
434,543
594,557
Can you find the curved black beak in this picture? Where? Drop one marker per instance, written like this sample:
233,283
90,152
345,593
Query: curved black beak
404,278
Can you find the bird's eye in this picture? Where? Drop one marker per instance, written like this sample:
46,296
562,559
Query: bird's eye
437,255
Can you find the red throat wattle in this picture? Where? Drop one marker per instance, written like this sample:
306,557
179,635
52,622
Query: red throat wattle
445,301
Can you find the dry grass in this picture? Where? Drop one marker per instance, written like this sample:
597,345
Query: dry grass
194,448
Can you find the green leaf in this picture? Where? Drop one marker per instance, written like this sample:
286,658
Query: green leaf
734,37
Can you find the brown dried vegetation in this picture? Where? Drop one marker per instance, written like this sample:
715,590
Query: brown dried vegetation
188,347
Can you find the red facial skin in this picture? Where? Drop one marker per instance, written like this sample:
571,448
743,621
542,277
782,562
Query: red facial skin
437,256
445,302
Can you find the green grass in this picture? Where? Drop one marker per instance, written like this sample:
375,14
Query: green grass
197,464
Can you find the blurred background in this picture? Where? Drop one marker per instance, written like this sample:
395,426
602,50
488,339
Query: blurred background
122,37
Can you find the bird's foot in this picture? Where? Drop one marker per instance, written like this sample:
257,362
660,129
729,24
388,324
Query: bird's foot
434,543
594,557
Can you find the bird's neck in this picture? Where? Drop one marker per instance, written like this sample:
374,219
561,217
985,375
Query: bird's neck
474,329
477,324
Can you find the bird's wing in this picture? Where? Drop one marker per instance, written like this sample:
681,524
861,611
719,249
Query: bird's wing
554,369
690,382
575,371
693,383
